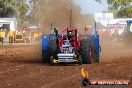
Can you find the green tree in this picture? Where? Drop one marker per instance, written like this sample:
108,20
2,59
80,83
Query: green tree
22,12
121,8
13,8
6,10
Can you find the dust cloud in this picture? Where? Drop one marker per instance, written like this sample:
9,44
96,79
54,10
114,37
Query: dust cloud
57,13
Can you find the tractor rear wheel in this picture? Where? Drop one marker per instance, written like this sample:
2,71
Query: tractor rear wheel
84,51
52,50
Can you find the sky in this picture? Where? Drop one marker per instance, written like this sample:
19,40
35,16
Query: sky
90,6
29,10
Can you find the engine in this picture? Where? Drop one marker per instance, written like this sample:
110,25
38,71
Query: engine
66,52
66,47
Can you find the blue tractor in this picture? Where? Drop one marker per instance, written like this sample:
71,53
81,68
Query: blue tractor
70,47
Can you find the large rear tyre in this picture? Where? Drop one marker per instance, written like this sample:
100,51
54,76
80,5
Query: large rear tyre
84,51
52,50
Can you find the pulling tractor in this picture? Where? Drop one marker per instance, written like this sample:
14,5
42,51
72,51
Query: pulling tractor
70,47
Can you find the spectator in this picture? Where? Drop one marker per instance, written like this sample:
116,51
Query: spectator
11,36
2,36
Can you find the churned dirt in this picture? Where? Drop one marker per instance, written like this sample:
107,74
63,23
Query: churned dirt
21,67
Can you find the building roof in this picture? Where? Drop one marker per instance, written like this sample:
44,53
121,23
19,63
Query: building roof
7,19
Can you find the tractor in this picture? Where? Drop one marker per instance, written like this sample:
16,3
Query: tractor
70,47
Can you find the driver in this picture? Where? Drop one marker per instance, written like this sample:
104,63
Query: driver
69,35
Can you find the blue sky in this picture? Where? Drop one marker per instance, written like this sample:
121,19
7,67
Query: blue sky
90,6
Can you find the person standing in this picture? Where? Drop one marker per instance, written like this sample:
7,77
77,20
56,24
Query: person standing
2,36
11,36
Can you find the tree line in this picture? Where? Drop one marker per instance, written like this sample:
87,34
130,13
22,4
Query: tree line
42,8
13,9
120,8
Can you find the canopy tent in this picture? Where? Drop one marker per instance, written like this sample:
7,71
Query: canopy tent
8,23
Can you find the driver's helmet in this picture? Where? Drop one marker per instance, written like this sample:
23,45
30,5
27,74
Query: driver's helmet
70,33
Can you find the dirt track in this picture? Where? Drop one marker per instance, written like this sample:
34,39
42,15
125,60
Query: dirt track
21,67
